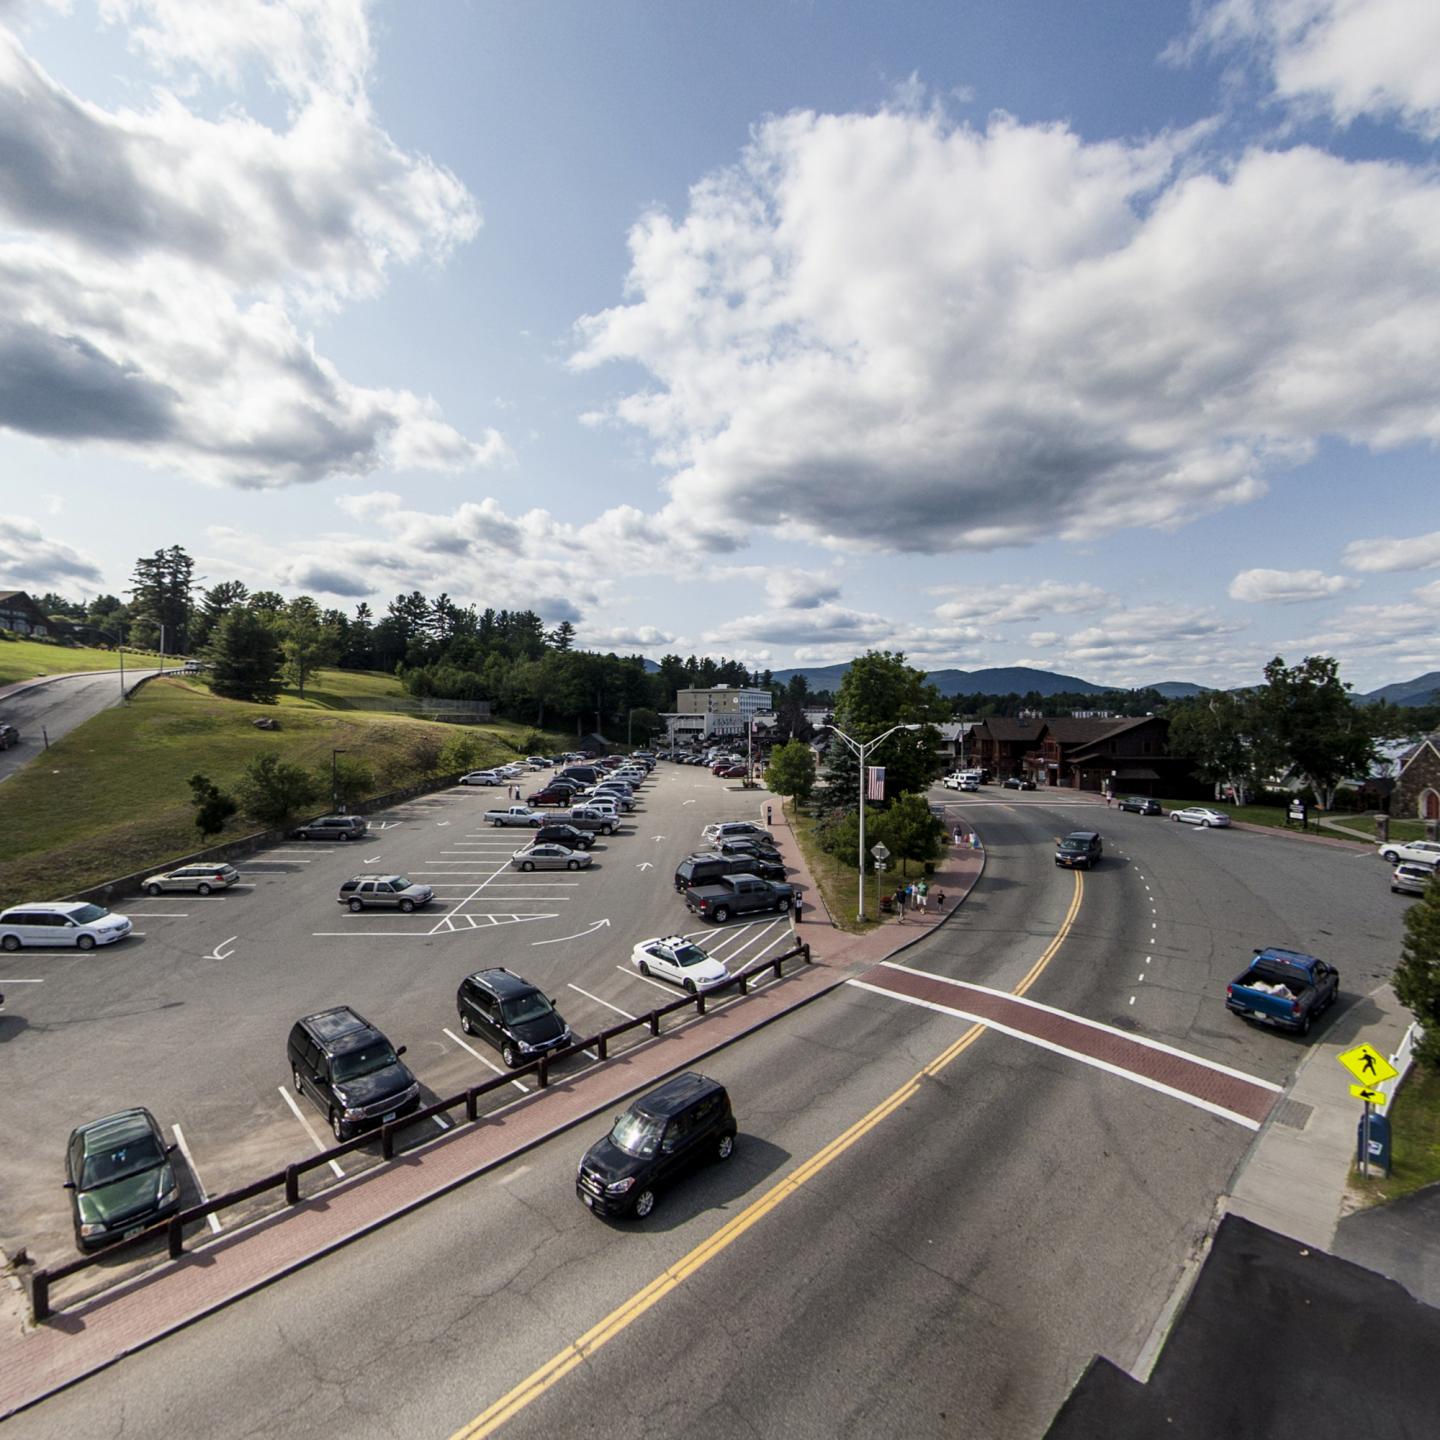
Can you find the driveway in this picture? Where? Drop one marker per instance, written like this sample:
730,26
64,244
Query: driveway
50,708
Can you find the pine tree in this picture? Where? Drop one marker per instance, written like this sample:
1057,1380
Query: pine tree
245,658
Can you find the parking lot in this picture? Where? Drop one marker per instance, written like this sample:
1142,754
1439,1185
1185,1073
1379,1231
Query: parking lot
189,1015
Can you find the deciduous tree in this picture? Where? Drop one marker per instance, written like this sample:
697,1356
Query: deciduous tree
1417,977
213,808
791,771
272,790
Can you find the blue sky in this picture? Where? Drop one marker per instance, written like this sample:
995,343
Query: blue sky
1099,338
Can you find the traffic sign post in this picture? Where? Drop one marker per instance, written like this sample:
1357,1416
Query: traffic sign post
1371,1069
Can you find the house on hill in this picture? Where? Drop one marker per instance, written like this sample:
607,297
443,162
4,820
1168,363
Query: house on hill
19,613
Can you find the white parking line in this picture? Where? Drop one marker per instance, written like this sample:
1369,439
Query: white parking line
605,1003
14,981
212,1218
489,1064
158,914
634,974
309,1129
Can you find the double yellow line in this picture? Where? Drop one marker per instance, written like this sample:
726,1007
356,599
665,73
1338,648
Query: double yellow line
556,1368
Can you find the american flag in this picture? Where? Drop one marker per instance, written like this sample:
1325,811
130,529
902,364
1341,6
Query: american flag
874,782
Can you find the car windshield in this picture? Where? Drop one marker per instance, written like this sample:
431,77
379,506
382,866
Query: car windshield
355,1063
107,1166
88,914
401,882
690,955
533,1006
637,1134
1074,845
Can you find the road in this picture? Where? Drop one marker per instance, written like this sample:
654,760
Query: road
57,707
949,1270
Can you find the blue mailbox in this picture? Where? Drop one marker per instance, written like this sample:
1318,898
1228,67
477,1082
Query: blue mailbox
1377,1151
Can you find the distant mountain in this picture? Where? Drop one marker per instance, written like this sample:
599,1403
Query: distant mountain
1177,689
997,680
1422,690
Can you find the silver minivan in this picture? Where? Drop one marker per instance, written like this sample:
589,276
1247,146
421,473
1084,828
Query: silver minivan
66,922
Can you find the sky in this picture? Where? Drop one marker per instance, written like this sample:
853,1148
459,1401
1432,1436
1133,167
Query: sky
1100,338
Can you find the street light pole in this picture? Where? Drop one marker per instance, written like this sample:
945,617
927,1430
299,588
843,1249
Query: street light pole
335,779
862,751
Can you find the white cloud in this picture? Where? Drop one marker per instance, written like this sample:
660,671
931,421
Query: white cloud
1345,58
1043,639
625,638
889,332
999,604
157,267
1415,552
29,559
1287,587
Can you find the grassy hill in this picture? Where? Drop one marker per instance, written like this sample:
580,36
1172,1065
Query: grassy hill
25,659
112,796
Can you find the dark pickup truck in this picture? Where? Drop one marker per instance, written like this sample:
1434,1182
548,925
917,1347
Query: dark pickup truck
737,895
1284,988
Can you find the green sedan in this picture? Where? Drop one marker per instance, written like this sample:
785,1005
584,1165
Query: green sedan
119,1176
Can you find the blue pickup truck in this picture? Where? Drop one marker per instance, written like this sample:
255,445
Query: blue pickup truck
1284,988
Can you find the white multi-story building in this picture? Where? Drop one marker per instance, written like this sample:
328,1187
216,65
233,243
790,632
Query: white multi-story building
720,710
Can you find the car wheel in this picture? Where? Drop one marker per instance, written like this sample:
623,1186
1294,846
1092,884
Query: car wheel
85,942
689,987
1305,1026
644,1204
337,1126
1175,817
295,1077
572,864
510,1055
726,1148
348,835
534,824
202,889
496,823
1390,855
152,889
1204,824
722,913
357,906
783,903
407,906
643,968
528,865
465,1025
10,942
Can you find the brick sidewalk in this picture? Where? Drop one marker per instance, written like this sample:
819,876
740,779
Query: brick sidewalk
94,1333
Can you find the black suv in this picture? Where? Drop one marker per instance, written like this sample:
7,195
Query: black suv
350,1070
755,849
706,869
1079,850
560,834
1139,805
685,1122
515,1017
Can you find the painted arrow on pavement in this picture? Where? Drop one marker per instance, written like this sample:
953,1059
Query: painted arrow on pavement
599,924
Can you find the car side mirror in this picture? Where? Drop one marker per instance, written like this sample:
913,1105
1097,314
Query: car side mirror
171,1149
400,1051
69,1185
667,1147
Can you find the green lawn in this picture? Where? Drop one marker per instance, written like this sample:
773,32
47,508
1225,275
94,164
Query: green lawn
112,797
25,659
838,883
1414,1141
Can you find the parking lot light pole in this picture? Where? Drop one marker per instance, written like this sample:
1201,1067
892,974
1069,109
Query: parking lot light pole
335,779
862,751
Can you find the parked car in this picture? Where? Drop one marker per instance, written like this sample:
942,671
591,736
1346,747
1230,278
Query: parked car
551,795
512,1015
568,835
202,879
387,892
664,1134
1425,852
1139,805
737,895
9,735
673,957
733,772
736,829
1079,850
749,849
550,857
1284,988
334,827
120,1177
1411,878
483,777
62,922
1200,815
1016,782
351,1072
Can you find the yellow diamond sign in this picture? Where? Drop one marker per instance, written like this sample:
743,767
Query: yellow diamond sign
1376,1098
1367,1065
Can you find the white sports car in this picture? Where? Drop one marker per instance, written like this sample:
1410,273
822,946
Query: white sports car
1199,815
673,957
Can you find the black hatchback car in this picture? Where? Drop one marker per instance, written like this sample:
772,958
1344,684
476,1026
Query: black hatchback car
520,1021
664,1134
339,1060
1139,805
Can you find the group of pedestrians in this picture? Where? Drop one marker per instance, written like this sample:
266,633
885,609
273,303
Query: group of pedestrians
913,897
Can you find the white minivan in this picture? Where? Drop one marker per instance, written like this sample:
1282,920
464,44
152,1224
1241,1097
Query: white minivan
66,922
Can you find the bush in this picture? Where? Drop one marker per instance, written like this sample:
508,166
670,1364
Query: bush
273,790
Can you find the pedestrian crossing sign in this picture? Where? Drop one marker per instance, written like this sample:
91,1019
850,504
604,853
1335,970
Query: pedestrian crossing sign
1367,1065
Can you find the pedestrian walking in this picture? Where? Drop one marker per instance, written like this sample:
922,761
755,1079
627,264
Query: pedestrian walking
1109,798
939,899
922,894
